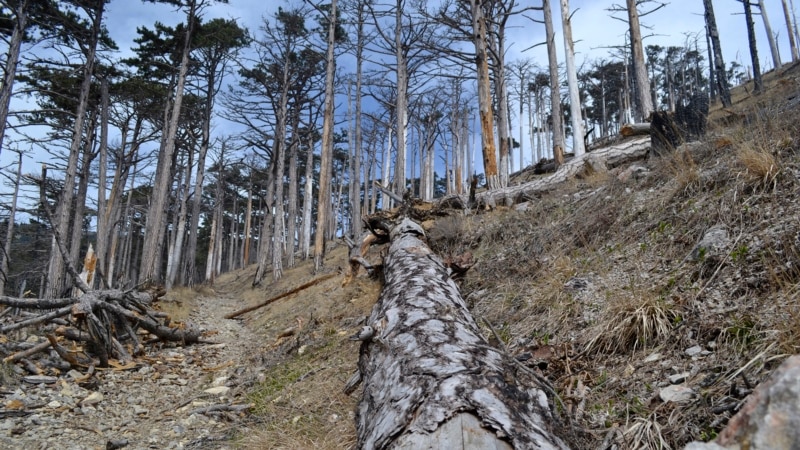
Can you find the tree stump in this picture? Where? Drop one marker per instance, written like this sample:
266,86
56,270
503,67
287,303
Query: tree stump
431,380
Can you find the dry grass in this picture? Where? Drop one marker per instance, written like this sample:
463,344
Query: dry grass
179,302
299,402
629,324
760,167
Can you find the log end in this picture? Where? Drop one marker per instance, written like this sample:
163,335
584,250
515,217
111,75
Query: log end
464,430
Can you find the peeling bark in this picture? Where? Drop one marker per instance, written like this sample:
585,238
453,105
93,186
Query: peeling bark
430,378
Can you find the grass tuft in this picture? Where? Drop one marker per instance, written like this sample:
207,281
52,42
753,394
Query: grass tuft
627,326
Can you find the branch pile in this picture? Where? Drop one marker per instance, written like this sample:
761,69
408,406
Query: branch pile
91,329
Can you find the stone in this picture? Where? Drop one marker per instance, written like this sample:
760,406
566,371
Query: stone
770,418
653,357
218,390
676,394
694,351
93,399
713,244
678,378
219,381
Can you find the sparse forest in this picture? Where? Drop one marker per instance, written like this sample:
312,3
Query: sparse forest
201,150
209,150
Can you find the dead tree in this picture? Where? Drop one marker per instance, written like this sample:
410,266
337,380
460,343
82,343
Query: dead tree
431,380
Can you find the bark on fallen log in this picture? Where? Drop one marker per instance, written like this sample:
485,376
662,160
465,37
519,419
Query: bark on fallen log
430,378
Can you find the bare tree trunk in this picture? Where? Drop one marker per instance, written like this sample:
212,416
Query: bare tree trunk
103,231
572,81
247,226
356,211
294,179
758,83
501,97
176,248
402,103
386,165
773,46
788,16
719,63
212,245
480,29
265,237
644,103
326,157
422,345
308,195
83,190
148,271
10,229
278,229
232,232
555,85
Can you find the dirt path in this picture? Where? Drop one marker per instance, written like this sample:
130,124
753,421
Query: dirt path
156,405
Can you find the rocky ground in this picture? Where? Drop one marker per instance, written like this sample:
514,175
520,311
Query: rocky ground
175,397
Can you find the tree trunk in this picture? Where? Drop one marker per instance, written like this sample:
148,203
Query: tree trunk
294,180
83,189
788,16
308,196
57,269
712,79
174,259
480,30
149,271
773,46
431,380
572,81
10,229
501,95
555,85
356,211
719,63
644,103
758,83
103,232
20,18
402,102
326,157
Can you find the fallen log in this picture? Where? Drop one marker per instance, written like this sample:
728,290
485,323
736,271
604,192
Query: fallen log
431,380
598,160
635,129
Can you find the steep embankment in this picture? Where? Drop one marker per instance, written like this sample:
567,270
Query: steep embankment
654,297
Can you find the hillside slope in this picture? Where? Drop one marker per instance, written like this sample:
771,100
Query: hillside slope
653,297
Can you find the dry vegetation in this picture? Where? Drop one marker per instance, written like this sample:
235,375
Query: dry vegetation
600,286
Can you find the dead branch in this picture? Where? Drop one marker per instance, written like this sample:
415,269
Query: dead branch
25,353
278,297
36,320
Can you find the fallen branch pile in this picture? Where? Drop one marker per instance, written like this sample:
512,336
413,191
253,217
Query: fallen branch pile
90,329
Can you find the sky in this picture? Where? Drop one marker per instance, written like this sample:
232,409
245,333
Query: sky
593,30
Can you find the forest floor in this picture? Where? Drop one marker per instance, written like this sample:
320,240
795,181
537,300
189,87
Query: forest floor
654,297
